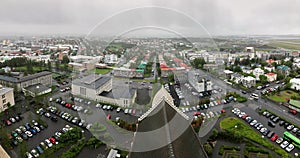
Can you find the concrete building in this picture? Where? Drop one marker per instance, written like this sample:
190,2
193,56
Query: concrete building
270,68
271,77
36,90
249,81
257,72
82,62
20,82
295,83
128,73
101,88
7,96
111,59
228,74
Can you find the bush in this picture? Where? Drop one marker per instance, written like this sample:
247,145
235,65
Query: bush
208,149
93,142
75,149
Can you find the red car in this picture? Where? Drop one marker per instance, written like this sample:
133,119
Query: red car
196,113
52,140
68,105
275,136
7,122
294,112
244,117
108,116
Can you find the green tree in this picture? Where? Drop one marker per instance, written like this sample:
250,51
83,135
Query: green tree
49,66
65,60
198,63
263,79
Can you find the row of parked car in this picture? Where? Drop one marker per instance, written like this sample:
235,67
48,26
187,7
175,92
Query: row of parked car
71,106
68,117
12,120
264,130
24,132
288,126
47,143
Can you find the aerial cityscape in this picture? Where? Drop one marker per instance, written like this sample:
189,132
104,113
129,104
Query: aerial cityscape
121,79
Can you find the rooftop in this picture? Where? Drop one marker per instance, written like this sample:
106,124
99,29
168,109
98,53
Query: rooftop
92,81
37,88
4,90
17,79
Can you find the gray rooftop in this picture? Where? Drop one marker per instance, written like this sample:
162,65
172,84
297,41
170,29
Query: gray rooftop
37,88
18,79
92,81
4,90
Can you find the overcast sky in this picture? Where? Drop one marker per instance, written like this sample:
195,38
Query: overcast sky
215,17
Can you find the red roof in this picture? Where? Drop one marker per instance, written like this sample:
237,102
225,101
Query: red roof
177,60
270,74
167,69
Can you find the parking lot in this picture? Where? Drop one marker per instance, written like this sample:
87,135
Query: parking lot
261,119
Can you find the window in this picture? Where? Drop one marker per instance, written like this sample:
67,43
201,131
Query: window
82,91
4,106
3,96
4,101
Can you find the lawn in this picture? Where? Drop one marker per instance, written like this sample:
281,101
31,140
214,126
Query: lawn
240,128
284,96
35,68
286,45
101,71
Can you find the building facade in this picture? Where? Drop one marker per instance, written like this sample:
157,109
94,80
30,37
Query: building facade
20,82
7,97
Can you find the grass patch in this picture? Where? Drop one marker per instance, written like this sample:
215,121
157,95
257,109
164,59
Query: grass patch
284,96
286,45
101,71
243,129
35,68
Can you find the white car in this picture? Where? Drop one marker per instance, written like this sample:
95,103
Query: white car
284,144
28,133
289,148
279,140
253,122
34,153
48,143
98,105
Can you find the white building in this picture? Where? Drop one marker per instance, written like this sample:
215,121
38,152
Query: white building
7,96
271,77
102,89
249,81
257,72
295,83
111,59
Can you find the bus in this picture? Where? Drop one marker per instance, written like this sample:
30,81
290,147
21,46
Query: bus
291,138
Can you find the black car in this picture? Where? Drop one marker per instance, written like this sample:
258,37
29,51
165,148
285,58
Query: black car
244,92
276,119
271,124
54,118
281,123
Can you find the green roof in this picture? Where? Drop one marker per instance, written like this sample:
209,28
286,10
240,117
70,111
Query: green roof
142,66
139,70
295,103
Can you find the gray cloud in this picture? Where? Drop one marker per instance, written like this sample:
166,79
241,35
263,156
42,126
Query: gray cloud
219,17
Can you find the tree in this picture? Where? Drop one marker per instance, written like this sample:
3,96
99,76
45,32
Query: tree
171,77
49,66
65,60
263,79
56,65
198,63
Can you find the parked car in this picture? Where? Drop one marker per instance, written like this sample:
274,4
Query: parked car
294,112
39,149
48,143
289,148
271,124
279,140
284,144
34,153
